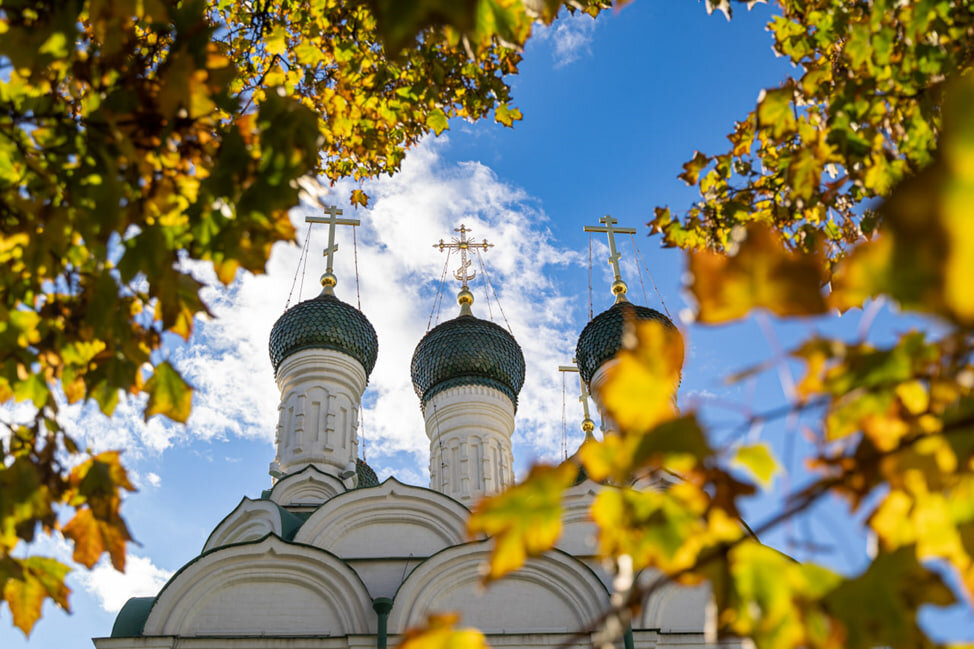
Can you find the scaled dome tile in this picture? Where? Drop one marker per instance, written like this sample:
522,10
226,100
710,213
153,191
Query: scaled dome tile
601,339
324,322
467,351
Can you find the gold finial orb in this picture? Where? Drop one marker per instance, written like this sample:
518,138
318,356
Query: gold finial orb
328,279
619,289
588,425
464,298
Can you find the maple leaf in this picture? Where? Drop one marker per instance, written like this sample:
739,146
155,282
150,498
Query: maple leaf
169,394
524,520
762,273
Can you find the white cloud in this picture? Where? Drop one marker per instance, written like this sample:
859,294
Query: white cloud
112,588
226,360
570,37
399,272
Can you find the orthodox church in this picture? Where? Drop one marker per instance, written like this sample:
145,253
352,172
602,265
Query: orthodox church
329,558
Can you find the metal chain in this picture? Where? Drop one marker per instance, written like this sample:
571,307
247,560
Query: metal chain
358,294
483,273
639,272
439,289
303,258
497,299
658,294
590,276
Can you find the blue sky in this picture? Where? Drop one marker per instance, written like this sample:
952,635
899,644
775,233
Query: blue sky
612,108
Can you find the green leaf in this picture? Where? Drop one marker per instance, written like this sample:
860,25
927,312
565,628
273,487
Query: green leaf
895,585
33,388
437,121
169,394
775,111
276,42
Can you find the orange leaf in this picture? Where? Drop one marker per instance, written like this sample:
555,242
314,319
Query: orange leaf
762,274
359,198
92,537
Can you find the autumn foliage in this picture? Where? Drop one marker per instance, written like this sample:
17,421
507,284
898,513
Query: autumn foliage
848,184
137,136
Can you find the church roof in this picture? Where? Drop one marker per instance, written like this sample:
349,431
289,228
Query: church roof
131,619
324,322
467,351
601,339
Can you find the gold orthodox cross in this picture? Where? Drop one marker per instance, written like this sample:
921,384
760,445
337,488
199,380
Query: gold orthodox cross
619,287
587,424
328,280
463,244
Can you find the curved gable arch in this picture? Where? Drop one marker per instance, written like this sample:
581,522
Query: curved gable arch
252,520
579,530
269,587
553,593
308,487
391,520
675,608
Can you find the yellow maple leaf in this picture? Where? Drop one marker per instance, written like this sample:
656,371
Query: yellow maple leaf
525,520
639,390
439,632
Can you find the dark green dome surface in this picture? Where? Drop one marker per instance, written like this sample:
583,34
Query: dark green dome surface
324,322
467,351
366,476
601,338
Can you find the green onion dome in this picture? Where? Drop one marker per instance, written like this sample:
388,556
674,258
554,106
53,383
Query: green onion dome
601,338
366,476
324,322
467,351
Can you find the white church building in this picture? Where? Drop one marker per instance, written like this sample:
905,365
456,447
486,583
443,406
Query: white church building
329,558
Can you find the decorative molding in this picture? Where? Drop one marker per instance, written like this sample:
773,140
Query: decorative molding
269,587
321,391
551,593
249,521
309,487
392,519
470,430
